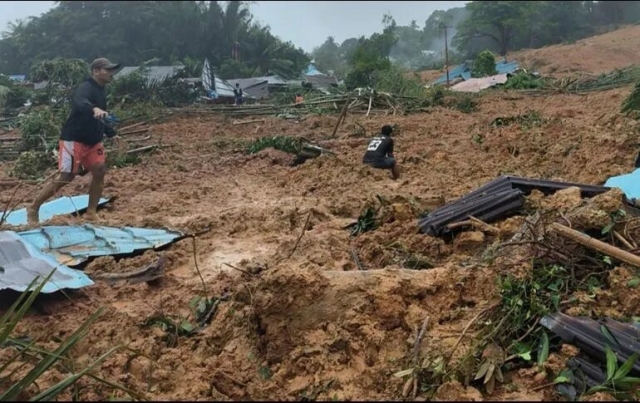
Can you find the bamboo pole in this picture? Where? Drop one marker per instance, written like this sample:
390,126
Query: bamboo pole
595,244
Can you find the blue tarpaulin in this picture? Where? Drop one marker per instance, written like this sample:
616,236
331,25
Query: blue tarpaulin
21,263
62,206
312,70
464,71
628,183
73,245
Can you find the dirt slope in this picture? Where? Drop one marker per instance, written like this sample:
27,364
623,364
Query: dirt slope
309,324
590,56
594,55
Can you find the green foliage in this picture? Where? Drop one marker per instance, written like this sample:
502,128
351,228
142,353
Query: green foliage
394,81
117,160
292,145
366,222
524,81
370,56
12,95
632,102
40,360
617,382
40,128
32,164
526,120
132,32
484,65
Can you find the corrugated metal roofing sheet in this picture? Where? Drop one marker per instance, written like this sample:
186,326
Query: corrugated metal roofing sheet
159,73
628,183
247,82
479,84
21,263
586,334
464,71
495,200
223,88
60,206
75,244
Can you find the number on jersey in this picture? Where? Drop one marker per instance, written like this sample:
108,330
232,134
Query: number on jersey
374,144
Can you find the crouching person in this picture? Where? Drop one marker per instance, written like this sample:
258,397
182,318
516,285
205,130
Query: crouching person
379,152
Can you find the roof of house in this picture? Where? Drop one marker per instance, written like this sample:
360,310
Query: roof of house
321,81
159,73
248,82
223,88
464,71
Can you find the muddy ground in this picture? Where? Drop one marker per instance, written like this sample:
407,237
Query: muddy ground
305,322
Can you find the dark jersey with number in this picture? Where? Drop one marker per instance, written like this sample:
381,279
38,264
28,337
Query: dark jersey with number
378,148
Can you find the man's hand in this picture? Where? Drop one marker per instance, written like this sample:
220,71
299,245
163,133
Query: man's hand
99,113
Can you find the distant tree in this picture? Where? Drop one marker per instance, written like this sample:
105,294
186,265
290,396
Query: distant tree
133,32
371,55
327,56
498,20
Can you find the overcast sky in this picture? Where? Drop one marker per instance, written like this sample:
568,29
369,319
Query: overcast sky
305,23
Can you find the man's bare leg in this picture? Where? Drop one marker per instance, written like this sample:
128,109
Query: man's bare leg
95,190
48,191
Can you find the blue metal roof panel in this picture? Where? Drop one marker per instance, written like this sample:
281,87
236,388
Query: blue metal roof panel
21,263
60,206
507,68
75,244
464,72
453,73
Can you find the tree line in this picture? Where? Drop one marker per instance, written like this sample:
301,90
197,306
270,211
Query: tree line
156,32
498,26
168,32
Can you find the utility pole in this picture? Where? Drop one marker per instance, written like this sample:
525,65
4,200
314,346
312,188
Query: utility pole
446,53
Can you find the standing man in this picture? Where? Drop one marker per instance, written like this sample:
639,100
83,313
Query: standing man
81,139
238,93
379,152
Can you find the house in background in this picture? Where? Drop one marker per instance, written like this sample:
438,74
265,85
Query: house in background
20,78
151,73
219,90
257,88
463,71
318,79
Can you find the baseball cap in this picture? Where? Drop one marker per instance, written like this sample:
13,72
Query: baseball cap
103,63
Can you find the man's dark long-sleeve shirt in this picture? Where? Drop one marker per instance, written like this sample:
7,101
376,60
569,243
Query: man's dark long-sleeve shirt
81,126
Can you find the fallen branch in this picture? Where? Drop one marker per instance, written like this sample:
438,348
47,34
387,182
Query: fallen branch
597,245
240,270
483,225
341,117
623,240
464,331
304,229
354,256
134,132
246,122
146,274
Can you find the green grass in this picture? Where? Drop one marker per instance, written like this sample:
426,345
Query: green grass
42,360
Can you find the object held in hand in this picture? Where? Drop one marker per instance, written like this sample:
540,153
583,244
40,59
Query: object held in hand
110,120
